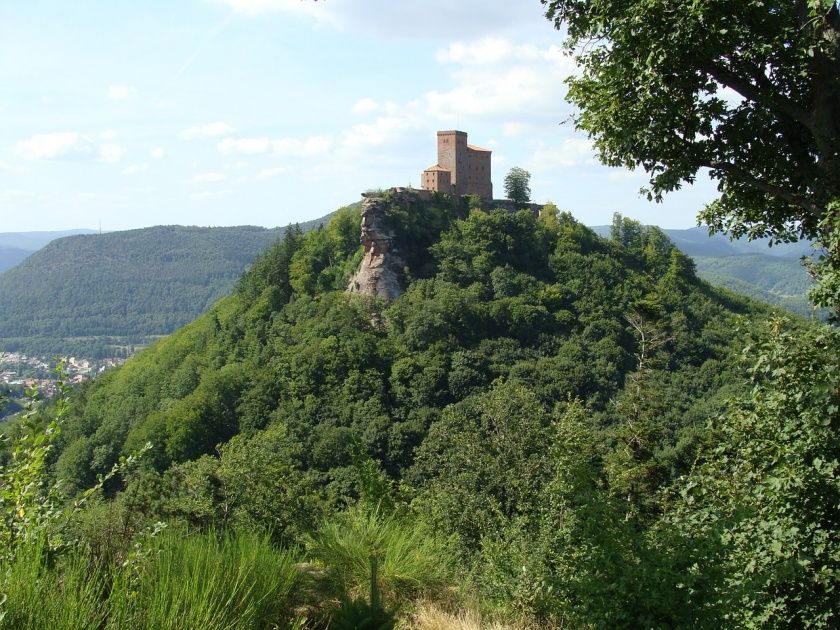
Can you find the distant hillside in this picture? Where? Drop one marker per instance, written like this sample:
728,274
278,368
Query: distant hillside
772,274
80,293
11,256
16,246
776,280
696,241
32,241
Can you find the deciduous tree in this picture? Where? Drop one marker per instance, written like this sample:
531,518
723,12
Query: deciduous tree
748,89
518,185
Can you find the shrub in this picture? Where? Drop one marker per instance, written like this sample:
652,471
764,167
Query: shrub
411,561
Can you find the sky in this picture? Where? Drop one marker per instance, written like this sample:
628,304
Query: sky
126,114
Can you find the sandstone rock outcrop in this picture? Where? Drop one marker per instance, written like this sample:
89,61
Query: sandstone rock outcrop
380,274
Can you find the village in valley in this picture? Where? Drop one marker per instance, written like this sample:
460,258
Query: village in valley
19,371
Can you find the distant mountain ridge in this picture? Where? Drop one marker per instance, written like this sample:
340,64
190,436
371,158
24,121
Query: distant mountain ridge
696,241
32,241
16,246
84,292
11,256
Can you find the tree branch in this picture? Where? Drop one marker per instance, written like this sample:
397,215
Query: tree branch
758,94
771,189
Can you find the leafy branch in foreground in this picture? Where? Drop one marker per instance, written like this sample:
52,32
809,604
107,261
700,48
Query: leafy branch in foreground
31,505
745,89
764,501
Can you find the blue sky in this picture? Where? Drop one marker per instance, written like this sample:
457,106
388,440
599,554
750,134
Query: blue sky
267,112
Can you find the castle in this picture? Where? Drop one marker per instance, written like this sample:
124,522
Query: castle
461,169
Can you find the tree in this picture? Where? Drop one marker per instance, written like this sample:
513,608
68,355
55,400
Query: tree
517,185
766,495
747,89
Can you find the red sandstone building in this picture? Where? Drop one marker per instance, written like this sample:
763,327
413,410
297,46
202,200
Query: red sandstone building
461,169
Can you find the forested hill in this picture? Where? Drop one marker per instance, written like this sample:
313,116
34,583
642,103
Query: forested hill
124,286
542,303
529,407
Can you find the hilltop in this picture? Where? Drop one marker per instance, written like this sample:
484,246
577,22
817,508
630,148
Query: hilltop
488,295
100,295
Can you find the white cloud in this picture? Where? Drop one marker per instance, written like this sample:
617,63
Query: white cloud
510,129
108,134
207,178
53,146
268,173
443,19
519,90
621,174
294,147
134,169
210,130
210,194
281,147
157,153
15,194
381,131
366,106
487,51
110,153
244,146
571,152
496,77
121,92
68,145
559,57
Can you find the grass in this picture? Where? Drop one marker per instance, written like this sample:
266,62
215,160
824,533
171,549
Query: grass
62,597
199,581
202,581
429,616
370,566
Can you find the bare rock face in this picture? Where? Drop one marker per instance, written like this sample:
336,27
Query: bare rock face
380,274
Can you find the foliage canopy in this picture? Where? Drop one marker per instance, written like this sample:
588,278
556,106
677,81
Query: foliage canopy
518,185
749,89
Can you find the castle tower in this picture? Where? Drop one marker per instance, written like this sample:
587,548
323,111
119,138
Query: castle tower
452,154
468,167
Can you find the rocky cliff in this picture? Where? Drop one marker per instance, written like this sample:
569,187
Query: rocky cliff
380,274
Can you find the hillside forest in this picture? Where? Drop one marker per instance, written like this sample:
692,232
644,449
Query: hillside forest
542,429
105,295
